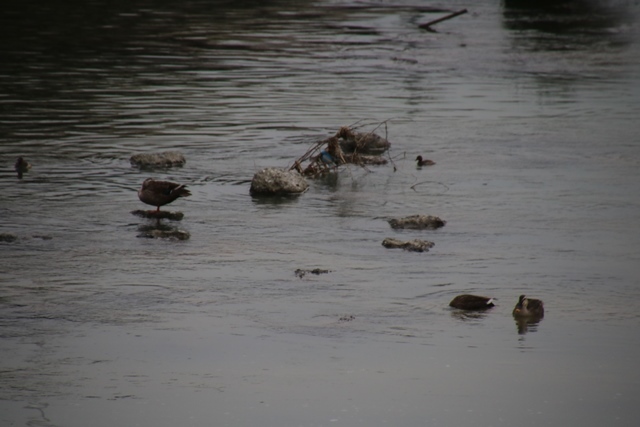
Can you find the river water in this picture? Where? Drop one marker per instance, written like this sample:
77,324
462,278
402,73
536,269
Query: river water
530,110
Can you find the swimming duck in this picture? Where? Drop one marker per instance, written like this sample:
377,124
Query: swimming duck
22,166
425,162
160,193
528,307
471,302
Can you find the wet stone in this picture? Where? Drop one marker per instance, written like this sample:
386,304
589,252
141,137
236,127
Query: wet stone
277,182
174,216
417,222
8,237
165,234
415,245
158,160
317,271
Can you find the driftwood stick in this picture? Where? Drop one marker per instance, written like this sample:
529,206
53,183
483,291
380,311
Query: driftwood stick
427,26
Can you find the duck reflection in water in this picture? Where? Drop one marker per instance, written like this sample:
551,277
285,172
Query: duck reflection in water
527,313
21,166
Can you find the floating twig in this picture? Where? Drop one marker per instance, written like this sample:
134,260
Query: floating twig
427,25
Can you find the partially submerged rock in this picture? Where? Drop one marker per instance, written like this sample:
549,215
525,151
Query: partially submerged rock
417,222
277,182
8,237
175,216
158,160
317,271
165,234
415,245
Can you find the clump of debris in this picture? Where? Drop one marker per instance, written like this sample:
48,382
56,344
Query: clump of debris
347,146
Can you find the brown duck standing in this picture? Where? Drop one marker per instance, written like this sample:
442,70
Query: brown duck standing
22,166
425,162
528,307
471,302
160,193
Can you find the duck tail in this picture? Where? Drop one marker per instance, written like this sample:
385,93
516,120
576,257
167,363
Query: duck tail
181,191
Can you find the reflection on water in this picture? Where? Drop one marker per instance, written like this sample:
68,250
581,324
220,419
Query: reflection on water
527,324
571,17
159,230
465,315
570,25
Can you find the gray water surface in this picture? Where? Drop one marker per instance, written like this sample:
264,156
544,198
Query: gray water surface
530,112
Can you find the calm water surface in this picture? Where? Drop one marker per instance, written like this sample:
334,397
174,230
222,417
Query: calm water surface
530,112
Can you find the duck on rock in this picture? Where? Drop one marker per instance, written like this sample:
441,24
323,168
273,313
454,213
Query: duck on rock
160,193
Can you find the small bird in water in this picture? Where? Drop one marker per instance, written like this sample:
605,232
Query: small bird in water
425,162
160,193
528,307
22,166
471,302
327,159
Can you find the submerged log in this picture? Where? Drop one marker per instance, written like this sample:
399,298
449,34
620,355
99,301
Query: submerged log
174,216
277,182
158,160
417,222
415,245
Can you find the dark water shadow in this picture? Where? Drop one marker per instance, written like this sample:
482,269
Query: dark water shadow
567,24
330,180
